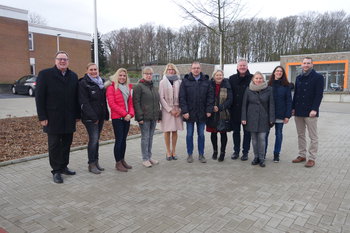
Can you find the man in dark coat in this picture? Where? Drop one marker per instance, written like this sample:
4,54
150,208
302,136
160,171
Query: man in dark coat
196,105
239,83
58,110
307,98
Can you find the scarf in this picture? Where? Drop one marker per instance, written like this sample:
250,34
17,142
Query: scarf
125,91
260,87
98,80
307,72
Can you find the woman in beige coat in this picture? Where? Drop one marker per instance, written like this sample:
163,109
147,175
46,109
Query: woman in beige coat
169,88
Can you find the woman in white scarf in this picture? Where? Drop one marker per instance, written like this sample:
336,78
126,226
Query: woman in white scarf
169,88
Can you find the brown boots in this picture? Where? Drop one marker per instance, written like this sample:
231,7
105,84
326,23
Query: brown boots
122,166
93,168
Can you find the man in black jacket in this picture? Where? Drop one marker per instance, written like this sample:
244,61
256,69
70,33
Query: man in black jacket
196,105
239,82
58,110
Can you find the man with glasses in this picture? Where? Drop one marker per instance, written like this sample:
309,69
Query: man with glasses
58,110
196,105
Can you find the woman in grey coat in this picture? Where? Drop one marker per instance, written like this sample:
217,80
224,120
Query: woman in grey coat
258,114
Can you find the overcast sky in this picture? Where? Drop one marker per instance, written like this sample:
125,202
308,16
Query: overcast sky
78,15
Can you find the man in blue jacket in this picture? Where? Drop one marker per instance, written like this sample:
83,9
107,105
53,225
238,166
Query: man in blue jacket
307,98
196,105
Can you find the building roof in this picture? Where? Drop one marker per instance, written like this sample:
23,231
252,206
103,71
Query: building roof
41,29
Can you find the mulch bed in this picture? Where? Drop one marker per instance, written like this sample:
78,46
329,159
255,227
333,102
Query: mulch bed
23,136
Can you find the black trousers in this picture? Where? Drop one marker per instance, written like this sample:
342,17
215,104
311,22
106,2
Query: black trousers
59,149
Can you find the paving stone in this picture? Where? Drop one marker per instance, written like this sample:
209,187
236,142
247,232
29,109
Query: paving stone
175,196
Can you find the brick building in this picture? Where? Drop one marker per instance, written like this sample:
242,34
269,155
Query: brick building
28,48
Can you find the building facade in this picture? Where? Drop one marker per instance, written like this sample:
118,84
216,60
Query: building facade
333,66
28,48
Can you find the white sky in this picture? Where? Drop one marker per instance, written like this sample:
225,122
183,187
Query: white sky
78,15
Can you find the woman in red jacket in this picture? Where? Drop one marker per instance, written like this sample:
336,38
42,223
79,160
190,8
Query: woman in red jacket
122,110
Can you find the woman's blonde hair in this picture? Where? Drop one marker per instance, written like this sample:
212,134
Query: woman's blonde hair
90,64
215,71
114,78
171,66
259,73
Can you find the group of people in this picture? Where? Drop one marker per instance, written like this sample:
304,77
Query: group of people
218,104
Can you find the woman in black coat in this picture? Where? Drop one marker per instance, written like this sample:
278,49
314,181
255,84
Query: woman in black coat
222,96
258,113
94,111
283,106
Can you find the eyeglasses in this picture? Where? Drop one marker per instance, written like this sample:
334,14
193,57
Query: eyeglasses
62,59
148,73
170,69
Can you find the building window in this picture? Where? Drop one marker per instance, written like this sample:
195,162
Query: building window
31,41
333,73
32,65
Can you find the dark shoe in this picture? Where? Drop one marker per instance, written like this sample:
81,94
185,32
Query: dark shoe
127,166
215,155
244,157
57,178
190,159
276,158
262,164
98,166
119,166
174,157
299,159
255,162
310,163
221,157
69,172
235,156
169,158
202,159
93,168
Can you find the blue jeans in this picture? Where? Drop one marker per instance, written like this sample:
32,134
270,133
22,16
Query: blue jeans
121,130
94,131
278,140
147,132
237,139
189,137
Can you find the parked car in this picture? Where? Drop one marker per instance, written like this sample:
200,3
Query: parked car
335,87
25,85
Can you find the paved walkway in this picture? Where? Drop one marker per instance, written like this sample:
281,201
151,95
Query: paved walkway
175,196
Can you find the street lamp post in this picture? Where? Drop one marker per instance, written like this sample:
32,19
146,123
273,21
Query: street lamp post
95,36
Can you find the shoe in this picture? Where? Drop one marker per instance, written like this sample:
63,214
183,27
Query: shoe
310,163
215,155
202,159
57,178
93,168
276,158
221,157
147,163
299,159
255,162
69,172
169,158
119,166
174,157
190,159
262,164
244,157
235,156
99,167
127,166
154,162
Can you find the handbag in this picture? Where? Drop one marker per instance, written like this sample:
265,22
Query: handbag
224,124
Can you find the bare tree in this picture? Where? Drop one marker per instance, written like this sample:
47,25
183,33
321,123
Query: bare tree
36,19
216,15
